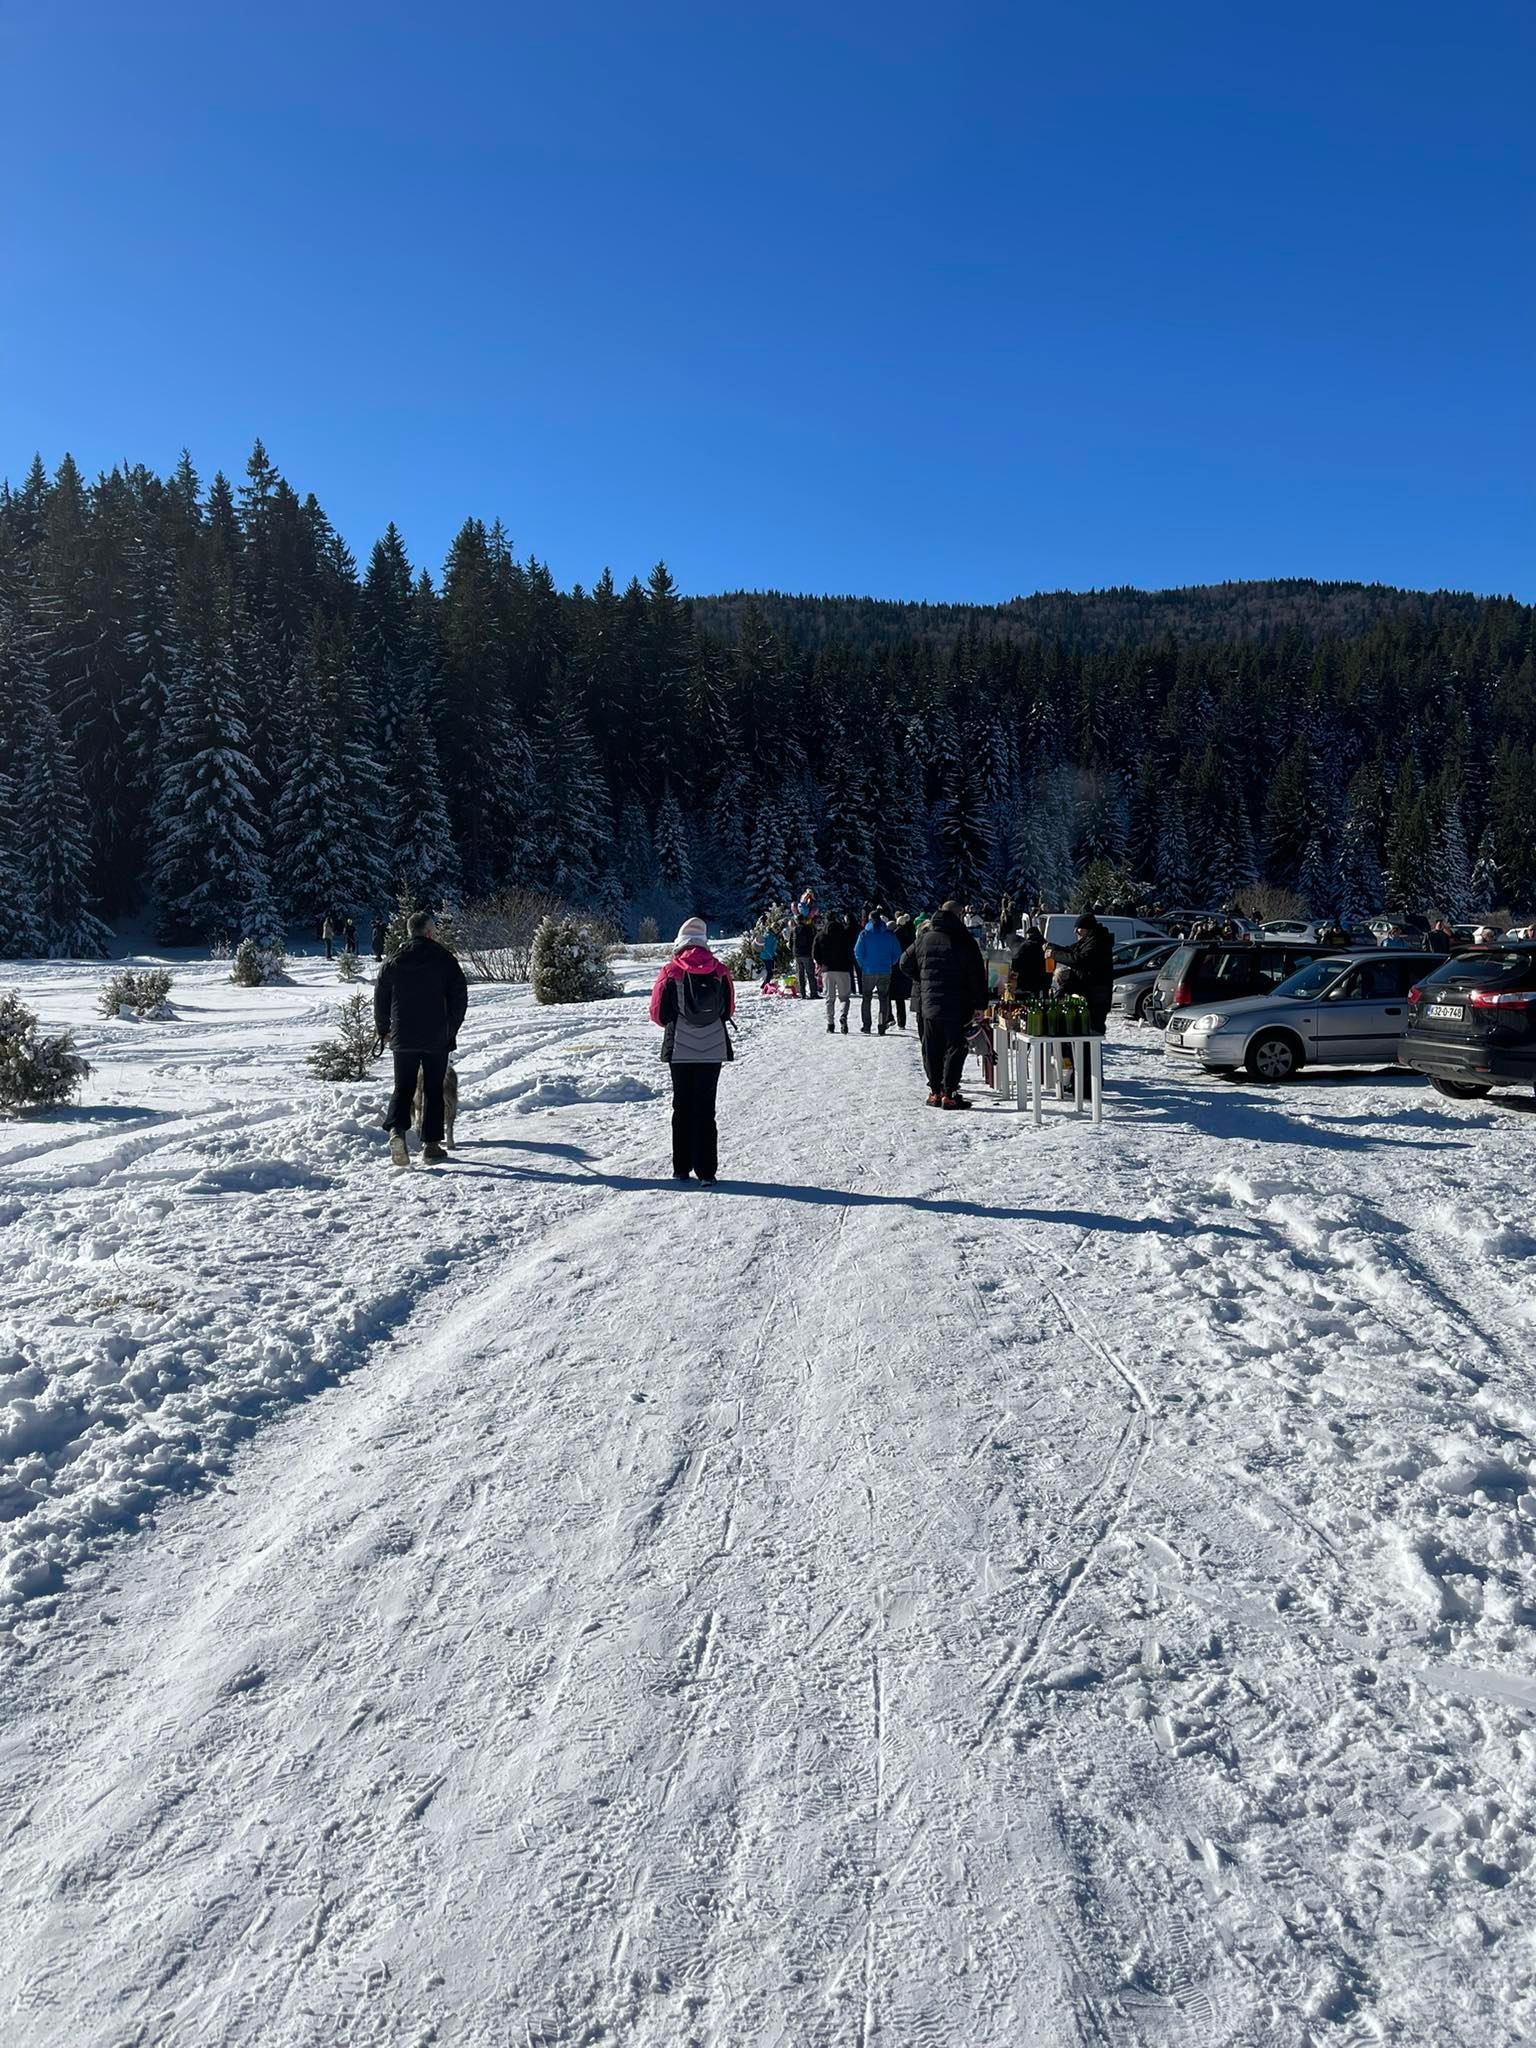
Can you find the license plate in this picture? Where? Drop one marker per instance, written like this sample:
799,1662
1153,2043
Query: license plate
1449,1013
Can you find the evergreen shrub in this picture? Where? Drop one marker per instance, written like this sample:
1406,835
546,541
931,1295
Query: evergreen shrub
350,1055
570,962
254,966
36,1072
347,966
137,992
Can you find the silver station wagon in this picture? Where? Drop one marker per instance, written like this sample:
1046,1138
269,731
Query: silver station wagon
1345,1010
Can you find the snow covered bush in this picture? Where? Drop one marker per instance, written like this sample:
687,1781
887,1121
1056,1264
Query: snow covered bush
647,933
254,965
350,1055
137,992
570,962
347,966
495,935
35,1072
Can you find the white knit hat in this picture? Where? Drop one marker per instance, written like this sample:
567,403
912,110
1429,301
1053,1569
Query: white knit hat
692,932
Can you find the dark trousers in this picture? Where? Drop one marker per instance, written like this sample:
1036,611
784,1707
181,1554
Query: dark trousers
944,1054
876,985
434,1067
805,975
695,1136
1099,1000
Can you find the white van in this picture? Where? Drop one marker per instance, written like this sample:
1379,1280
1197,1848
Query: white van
1060,929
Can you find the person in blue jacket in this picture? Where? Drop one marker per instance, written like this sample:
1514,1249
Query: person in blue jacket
768,953
877,952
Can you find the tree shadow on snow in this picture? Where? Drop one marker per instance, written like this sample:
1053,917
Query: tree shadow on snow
855,1198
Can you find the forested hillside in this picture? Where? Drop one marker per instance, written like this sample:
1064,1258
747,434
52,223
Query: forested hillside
206,709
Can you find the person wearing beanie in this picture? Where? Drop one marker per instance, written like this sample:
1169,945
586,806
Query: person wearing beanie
693,1001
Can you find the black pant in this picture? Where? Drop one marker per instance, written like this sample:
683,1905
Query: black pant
402,1104
944,1052
695,1136
876,985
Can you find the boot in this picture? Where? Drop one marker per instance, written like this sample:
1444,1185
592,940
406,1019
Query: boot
935,1101
955,1102
864,1028
845,1027
397,1151
831,1027
433,1154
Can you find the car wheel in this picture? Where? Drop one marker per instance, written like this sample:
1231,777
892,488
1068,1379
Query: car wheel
1459,1091
1139,1014
1273,1057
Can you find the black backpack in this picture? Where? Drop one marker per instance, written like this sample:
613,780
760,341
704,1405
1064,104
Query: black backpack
701,999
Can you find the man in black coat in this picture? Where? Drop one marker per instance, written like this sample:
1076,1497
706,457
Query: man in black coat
419,1002
1092,968
1028,969
833,953
949,977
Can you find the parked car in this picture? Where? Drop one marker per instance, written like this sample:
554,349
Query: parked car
1343,1010
1286,928
1472,1021
1225,969
1139,954
1133,987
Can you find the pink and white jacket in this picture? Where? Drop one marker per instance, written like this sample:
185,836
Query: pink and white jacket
685,1041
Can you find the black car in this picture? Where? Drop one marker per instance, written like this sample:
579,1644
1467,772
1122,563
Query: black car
1224,969
1472,1023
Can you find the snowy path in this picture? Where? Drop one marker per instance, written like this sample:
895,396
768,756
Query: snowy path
951,1585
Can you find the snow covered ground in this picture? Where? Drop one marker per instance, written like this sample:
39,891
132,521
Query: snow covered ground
951,1584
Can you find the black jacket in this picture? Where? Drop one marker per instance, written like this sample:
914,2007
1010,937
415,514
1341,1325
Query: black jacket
420,998
950,975
1093,961
1028,967
805,938
834,949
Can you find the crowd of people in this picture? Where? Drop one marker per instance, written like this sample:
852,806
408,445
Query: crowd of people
936,966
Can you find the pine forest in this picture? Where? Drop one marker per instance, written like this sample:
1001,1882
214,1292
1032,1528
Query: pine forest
209,717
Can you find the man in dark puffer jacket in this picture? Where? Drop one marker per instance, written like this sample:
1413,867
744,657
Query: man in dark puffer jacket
950,986
419,1002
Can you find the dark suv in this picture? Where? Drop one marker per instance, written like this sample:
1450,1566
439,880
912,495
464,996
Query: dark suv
1224,969
1472,1023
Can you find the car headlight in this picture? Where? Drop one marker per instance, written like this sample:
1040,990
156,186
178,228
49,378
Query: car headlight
1211,1021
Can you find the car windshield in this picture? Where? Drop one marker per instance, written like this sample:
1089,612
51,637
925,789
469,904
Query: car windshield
1176,966
1312,979
1490,969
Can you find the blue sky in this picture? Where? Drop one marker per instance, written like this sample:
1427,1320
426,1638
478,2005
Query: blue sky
945,302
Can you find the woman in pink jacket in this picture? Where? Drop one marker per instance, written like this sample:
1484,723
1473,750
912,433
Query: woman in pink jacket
693,1001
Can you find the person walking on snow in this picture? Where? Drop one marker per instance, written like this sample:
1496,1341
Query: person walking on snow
950,983
693,1001
419,1002
349,935
877,951
834,956
905,932
327,932
768,953
805,946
